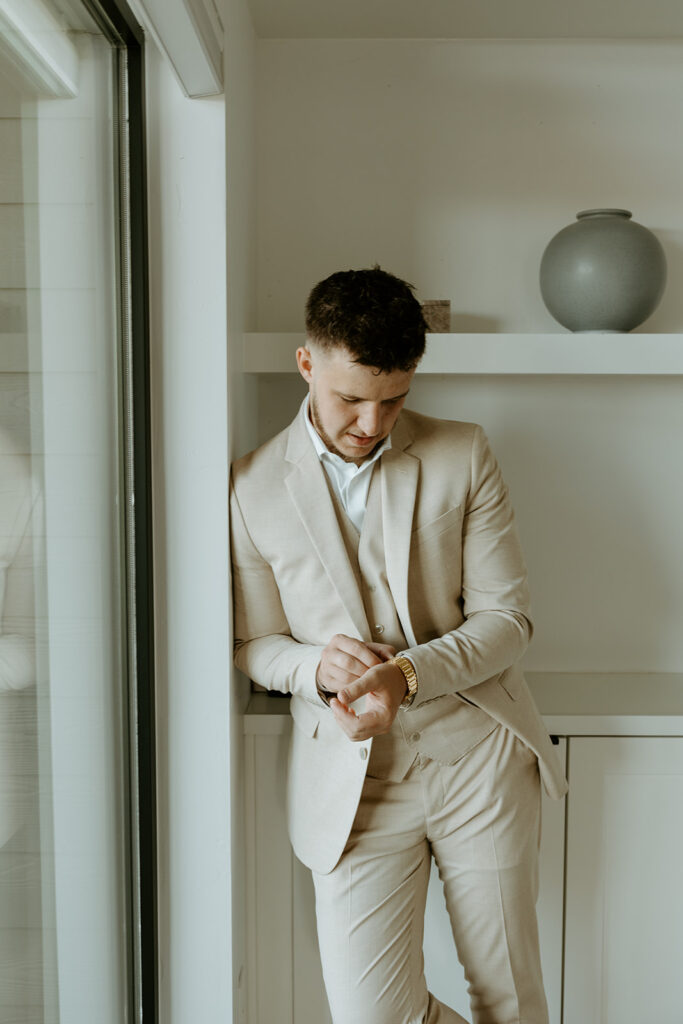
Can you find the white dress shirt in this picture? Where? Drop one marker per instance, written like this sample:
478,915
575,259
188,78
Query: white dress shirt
351,482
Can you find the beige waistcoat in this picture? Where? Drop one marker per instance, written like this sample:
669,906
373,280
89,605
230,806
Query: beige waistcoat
393,753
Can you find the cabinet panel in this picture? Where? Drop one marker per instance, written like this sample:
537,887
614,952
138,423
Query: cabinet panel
444,973
285,979
624,914
269,883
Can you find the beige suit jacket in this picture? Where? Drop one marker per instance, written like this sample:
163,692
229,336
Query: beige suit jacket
458,580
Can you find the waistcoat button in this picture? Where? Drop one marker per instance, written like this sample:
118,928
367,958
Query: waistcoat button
379,628
414,737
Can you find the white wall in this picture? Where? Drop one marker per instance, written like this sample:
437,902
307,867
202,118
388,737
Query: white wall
186,170
202,293
239,64
453,163
592,466
240,60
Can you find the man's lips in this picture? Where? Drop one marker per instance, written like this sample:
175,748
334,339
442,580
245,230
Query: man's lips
362,440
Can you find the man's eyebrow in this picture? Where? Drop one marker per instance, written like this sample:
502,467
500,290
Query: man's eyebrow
357,398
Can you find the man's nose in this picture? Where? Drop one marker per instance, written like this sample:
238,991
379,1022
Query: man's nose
369,420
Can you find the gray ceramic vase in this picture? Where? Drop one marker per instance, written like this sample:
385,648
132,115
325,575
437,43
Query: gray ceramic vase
604,273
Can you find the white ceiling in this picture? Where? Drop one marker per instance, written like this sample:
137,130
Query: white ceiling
468,19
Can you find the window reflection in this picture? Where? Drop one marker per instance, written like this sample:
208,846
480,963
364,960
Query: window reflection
63,832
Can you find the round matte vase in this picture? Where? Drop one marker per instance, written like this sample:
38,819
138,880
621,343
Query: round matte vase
604,273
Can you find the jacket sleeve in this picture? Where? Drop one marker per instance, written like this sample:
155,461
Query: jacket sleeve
495,595
264,648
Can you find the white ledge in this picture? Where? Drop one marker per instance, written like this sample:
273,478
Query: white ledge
571,703
190,33
39,46
549,354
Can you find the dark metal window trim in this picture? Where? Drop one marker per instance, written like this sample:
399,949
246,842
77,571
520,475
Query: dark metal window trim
121,28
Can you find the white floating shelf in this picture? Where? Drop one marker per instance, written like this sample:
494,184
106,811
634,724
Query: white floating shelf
606,354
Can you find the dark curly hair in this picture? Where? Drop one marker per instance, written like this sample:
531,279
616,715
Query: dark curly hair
372,314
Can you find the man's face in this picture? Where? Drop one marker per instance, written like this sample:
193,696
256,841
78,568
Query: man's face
353,407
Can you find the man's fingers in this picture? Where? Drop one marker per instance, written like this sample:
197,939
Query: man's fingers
353,667
342,670
353,691
359,687
358,727
342,713
345,659
356,649
383,651
385,681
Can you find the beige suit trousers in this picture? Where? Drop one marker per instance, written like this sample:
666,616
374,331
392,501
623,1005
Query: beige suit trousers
480,819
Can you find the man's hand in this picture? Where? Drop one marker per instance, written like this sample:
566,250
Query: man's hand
345,660
384,688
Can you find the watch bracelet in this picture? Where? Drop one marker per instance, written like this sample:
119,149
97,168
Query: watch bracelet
410,675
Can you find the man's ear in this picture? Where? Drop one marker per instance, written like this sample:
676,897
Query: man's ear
304,361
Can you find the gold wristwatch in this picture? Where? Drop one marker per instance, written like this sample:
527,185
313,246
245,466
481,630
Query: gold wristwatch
410,675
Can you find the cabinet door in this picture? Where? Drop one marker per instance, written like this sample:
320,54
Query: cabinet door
285,979
624,898
445,976
285,983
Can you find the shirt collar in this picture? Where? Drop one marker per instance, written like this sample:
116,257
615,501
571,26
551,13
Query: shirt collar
324,452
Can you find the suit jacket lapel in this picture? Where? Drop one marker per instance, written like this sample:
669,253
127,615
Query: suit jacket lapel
308,490
400,477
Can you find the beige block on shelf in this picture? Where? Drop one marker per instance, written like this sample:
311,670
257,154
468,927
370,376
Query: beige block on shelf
437,313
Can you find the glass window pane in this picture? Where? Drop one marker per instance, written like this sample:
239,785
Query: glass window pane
63,761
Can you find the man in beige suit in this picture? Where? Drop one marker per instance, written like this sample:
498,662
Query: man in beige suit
378,579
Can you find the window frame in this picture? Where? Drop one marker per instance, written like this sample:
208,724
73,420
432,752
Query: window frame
122,30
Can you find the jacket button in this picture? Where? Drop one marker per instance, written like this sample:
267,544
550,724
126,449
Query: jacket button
363,752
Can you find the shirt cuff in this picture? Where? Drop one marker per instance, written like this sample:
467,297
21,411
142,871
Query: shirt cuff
325,695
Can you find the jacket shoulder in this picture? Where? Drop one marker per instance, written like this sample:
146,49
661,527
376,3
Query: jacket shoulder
262,462
432,434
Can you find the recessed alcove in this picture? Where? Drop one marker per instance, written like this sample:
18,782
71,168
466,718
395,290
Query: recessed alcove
451,154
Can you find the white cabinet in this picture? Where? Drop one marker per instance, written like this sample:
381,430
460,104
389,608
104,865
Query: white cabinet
624,883
445,976
284,979
611,890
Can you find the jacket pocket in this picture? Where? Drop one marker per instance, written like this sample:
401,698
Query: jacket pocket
306,717
435,527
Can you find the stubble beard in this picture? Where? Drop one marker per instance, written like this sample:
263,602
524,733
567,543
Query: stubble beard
327,440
